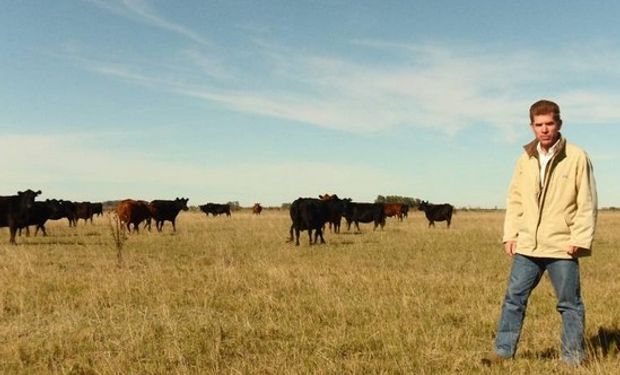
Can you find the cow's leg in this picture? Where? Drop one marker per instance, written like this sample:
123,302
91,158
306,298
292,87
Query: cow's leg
357,225
290,232
13,230
310,235
174,227
27,231
297,236
42,226
449,220
320,233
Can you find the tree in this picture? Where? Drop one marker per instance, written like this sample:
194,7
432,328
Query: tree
409,201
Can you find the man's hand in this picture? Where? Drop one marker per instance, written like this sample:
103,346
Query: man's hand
510,247
574,250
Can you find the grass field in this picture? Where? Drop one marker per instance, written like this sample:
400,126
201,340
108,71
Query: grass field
230,296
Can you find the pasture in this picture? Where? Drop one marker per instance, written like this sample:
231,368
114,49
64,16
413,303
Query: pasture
230,296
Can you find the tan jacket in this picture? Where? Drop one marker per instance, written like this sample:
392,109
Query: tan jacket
544,219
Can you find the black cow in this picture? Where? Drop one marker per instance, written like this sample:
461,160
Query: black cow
40,213
364,213
162,210
69,211
97,209
215,209
308,214
14,209
335,209
436,212
312,214
404,211
83,210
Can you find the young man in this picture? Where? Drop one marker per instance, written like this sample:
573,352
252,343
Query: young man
550,220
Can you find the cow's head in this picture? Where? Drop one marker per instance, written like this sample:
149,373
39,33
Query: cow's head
182,203
27,197
423,205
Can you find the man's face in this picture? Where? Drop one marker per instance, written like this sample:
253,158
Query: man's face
546,130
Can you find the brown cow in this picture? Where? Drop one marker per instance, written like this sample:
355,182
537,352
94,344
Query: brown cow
134,212
257,208
394,209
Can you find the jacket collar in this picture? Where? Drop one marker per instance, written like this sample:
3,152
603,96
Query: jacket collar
531,150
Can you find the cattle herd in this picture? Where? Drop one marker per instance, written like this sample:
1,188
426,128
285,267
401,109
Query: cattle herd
313,214
310,214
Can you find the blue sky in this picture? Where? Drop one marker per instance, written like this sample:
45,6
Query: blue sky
267,101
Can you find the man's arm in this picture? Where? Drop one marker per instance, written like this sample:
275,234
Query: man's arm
514,211
584,222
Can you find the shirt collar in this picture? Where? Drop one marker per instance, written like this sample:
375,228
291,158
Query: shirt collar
552,149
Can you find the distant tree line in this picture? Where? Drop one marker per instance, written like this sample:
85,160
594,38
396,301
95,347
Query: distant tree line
409,201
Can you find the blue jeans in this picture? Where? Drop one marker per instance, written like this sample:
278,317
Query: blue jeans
524,276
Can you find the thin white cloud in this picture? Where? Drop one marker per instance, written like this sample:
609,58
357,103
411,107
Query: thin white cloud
140,10
444,87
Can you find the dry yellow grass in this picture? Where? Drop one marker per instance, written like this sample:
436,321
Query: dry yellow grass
229,295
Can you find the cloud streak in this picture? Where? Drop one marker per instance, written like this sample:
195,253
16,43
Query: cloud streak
141,11
444,87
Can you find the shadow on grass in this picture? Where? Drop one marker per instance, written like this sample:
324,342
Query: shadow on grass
56,242
549,353
605,342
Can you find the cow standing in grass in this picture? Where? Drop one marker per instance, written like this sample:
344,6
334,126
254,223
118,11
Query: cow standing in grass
436,212
257,208
70,212
309,214
40,213
365,213
134,212
97,209
215,209
162,210
404,211
83,210
15,209
335,210
394,209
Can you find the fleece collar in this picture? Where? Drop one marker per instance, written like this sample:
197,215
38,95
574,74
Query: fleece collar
532,151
